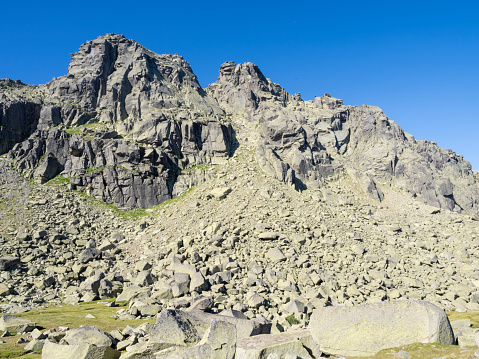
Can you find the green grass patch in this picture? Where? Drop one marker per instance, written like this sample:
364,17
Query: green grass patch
427,351
129,214
58,181
72,130
15,351
197,167
126,170
95,169
78,129
176,199
291,319
74,315
136,213
69,315
473,316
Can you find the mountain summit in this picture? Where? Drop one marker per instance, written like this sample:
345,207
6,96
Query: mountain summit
125,125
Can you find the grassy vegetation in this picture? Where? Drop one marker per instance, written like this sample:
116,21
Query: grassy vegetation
71,316
292,320
126,170
473,316
58,180
427,351
72,130
176,199
130,214
194,168
78,129
95,169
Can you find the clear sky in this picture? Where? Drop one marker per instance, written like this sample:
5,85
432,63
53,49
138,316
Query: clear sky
417,60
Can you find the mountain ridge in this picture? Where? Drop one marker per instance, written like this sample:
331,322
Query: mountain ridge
155,102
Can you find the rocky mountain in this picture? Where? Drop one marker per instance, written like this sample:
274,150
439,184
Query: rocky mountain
125,123
252,210
307,142
120,125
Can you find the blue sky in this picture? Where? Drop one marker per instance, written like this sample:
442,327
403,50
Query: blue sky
417,60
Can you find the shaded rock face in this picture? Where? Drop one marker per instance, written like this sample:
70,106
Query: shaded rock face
306,143
18,116
116,171
145,115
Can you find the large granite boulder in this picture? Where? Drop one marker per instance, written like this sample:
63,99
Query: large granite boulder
79,351
15,324
366,329
295,343
88,335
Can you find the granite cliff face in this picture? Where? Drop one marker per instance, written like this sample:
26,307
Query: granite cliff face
306,143
144,117
125,123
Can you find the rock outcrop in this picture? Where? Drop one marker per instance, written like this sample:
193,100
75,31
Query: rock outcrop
119,95
144,117
306,143
19,113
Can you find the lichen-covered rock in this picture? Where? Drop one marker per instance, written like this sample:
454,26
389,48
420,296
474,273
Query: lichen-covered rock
88,335
366,329
297,343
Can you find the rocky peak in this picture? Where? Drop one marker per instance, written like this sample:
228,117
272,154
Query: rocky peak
328,102
129,92
96,57
241,88
306,143
111,79
120,91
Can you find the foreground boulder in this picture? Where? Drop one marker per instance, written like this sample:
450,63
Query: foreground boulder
294,343
366,329
219,342
87,335
195,334
81,351
12,323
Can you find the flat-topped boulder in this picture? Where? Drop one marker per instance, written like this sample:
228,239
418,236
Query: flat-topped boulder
366,329
12,323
